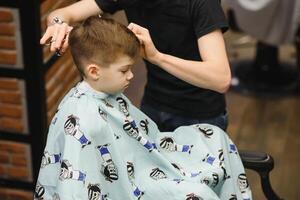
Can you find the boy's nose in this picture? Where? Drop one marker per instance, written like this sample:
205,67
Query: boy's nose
130,75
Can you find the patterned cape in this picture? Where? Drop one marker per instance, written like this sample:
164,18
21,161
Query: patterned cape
101,147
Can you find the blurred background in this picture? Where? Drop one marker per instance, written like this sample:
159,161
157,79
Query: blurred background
263,101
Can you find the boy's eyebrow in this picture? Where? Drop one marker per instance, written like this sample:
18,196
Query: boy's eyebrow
126,66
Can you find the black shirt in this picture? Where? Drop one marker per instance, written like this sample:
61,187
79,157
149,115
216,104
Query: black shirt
175,26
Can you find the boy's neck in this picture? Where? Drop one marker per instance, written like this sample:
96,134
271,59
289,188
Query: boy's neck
91,86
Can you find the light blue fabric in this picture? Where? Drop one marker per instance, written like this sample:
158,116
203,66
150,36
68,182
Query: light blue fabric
102,147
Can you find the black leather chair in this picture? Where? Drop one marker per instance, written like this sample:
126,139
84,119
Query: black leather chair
263,164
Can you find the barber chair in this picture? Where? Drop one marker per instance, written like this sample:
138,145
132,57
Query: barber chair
272,23
263,164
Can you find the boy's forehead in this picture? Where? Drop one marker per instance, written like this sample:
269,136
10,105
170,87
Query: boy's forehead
124,60
120,61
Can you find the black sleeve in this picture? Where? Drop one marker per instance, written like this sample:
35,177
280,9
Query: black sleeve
109,6
207,15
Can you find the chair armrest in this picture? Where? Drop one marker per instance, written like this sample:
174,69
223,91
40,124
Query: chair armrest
257,161
262,163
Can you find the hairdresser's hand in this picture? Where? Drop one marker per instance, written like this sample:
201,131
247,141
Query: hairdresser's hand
56,36
149,51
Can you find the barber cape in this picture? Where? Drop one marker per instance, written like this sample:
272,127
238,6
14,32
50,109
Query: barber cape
101,147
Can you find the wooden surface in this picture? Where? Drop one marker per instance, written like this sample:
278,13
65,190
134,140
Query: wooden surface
271,126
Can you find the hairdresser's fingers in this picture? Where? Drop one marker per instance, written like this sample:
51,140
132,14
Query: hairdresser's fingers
59,35
48,35
130,26
148,50
144,37
54,37
62,30
141,33
137,29
136,26
66,41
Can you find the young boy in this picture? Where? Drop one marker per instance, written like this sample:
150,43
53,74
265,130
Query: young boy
100,146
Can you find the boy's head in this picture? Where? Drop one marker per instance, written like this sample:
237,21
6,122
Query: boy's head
104,51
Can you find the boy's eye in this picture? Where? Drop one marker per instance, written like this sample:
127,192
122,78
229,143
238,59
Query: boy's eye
124,70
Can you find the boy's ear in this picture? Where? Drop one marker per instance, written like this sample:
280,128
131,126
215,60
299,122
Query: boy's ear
93,71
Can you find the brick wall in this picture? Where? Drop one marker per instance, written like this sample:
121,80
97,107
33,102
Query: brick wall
14,165
7,37
15,158
11,105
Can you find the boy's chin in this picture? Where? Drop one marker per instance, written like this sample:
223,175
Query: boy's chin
116,92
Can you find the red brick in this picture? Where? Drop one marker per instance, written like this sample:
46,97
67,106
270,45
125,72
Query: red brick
3,194
15,125
7,43
14,194
20,196
4,158
7,29
18,172
11,97
8,110
12,147
3,170
9,84
19,160
6,15
8,57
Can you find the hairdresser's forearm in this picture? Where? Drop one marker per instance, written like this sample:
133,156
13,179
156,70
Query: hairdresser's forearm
75,12
213,72
213,75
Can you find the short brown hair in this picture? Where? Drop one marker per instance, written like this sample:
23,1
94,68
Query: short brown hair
100,40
